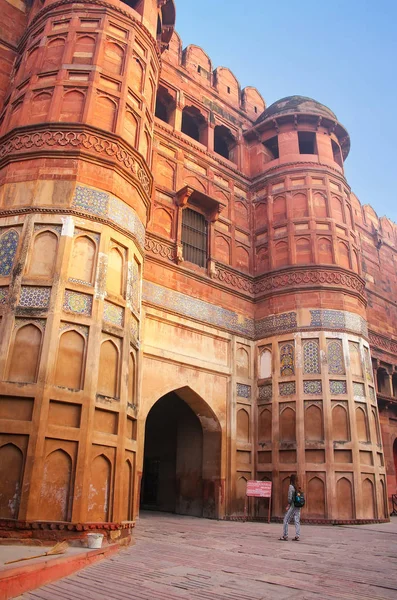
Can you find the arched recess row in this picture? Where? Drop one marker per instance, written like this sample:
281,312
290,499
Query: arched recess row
70,365
24,358
316,495
43,255
83,260
56,495
100,484
12,464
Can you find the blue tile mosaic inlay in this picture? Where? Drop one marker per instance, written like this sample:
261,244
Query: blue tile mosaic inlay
8,247
244,391
75,302
105,205
35,297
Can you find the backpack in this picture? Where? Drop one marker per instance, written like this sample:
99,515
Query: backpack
299,499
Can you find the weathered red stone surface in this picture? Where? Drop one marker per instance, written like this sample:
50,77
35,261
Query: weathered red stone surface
181,265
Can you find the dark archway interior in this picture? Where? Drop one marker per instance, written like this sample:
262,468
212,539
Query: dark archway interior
395,458
174,472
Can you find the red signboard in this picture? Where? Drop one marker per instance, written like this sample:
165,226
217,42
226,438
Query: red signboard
259,489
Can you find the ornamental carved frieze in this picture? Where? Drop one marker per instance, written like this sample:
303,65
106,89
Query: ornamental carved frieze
233,279
70,140
382,342
273,282
160,248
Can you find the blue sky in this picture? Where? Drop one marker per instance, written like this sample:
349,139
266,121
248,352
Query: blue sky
343,53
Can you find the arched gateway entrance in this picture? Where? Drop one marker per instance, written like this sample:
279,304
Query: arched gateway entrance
182,456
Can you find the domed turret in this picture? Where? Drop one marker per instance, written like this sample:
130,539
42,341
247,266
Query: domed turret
296,104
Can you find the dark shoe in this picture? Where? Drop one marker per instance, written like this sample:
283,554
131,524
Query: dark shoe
283,539
295,539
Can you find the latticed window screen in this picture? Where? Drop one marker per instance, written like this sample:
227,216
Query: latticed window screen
194,237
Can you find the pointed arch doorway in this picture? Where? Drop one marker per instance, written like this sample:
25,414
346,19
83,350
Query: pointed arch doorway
182,456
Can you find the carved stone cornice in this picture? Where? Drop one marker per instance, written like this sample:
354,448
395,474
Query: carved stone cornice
159,247
382,342
233,279
69,140
310,277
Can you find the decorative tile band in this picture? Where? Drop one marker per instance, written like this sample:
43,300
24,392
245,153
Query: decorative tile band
244,391
337,387
266,392
197,309
113,314
3,295
312,387
35,297
372,394
358,390
78,303
287,388
134,328
8,247
107,206
282,323
338,319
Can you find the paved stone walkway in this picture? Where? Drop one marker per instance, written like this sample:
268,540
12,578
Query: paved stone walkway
183,558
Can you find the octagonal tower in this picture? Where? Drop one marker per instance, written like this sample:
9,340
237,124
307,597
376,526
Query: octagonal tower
75,150
317,410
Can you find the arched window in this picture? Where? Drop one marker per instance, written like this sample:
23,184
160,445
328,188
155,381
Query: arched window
70,362
26,354
193,123
42,262
165,106
108,370
224,142
83,259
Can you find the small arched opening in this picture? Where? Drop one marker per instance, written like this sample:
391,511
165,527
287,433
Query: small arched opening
182,456
165,106
193,124
225,143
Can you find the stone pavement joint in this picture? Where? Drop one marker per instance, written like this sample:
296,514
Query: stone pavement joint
184,558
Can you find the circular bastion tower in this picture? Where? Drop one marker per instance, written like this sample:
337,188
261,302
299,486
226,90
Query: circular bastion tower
75,184
317,410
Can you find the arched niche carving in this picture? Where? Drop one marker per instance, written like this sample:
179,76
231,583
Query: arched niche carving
72,106
131,127
128,478
40,107
108,370
53,54
376,426
222,249
265,364
324,251
265,426
136,74
314,427
242,362
70,361
56,486
84,50
343,252
316,498
115,272
243,426
368,499
356,366
344,498
303,250
11,473
241,213
43,256
242,258
132,379
98,510
340,424
320,206
299,206
24,362
105,112
281,258
31,59
82,265
288,425
262,259
113,58
362,425
337,209
261,219
241,488
279,209
162,222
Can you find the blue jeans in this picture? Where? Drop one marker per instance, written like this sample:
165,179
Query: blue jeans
295,513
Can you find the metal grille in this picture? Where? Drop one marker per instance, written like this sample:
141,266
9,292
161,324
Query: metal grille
194,237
